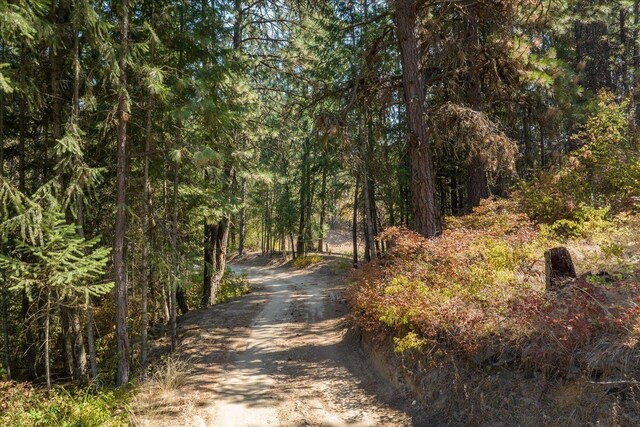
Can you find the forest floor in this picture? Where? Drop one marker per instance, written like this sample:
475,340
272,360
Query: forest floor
282,356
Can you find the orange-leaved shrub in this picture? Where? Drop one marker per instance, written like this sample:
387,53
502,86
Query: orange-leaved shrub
477,292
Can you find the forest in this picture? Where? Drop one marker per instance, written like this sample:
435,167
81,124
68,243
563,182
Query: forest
431,156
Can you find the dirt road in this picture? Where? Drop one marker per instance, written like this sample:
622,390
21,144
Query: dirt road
281,356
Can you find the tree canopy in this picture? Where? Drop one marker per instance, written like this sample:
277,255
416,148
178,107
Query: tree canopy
143,142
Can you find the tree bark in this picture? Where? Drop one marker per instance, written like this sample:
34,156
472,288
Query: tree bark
5,330
165,302
308,234
176,261
91,342
354,224
180,296
119,262
67,345
80,354
323,209
477,185
221,251
216,240
5,312
423,190
455,198
543,159
146,238
558,267
210,238
301,247
636,62
242,231
477,188
365,224
47,321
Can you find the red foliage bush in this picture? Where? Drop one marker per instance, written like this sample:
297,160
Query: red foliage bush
477,291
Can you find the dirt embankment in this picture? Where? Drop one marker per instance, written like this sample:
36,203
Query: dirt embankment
453,392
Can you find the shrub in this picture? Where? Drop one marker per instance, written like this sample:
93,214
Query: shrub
603,172
587,221
307,261
23,405
477,292
232,286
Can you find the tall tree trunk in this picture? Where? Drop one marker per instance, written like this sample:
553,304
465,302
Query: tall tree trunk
5,311
67,345
5,328
237,45
215,258
477,188
180,296
323,209
91,341
354,223
367,223
30,343
423,190
119,262
165,301
367,189
80,354
455,199
221,251
624,66
301,247
308,235
636,61
146,239
47,322
173,311
267,226
146,217
372,214
210,232
365,226
526,139
293,247
263,230
477,185
543,159
242,231
175,291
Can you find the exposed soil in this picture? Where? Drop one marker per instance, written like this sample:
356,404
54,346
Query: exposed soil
282,356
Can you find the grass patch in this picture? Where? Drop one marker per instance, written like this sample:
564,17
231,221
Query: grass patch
161,393
22,405
307,261
341,265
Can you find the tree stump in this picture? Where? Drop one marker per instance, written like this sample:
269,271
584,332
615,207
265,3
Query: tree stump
559,267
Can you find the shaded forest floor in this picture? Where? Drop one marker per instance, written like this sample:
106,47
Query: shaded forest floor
283,355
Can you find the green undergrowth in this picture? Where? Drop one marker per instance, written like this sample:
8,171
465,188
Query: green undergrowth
22,405
232,286
307,261
341,265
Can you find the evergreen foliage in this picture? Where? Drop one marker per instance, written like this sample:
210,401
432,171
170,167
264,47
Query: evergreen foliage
205,129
